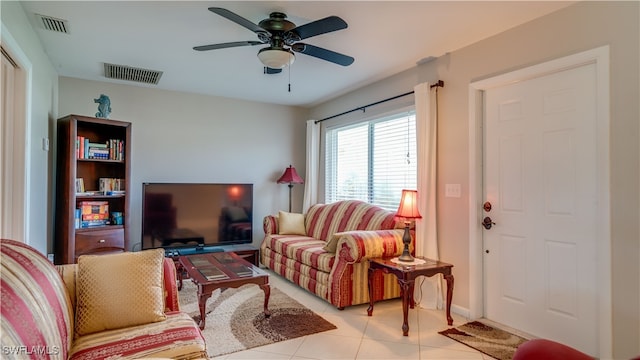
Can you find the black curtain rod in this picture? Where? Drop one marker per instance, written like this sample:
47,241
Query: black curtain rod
439,83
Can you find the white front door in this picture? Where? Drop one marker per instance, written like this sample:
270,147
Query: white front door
540,176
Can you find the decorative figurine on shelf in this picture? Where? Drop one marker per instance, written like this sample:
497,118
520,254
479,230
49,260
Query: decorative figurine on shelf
104,107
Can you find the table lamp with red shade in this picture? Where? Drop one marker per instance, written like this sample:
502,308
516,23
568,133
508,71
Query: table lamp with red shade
408,210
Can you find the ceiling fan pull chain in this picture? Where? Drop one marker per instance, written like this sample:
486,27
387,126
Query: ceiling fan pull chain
289,77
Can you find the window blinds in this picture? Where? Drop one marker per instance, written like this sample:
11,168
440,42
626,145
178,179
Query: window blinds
372,160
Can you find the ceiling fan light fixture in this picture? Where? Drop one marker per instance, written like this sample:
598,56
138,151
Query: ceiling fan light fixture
276,58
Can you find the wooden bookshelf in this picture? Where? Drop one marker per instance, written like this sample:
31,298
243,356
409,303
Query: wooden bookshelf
73,238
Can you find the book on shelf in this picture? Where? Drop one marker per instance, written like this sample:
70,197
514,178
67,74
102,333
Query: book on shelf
112,185
98,153
93,145
94,207
101,216
101,193
79,185
93,223
112,149
76,218
88,193
94,211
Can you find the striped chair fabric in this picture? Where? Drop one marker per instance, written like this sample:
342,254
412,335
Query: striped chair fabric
37,314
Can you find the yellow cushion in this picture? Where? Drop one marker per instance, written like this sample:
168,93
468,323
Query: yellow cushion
291,224
119,290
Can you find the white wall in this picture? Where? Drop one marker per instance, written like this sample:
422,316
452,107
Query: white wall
577,28
181,137
42,104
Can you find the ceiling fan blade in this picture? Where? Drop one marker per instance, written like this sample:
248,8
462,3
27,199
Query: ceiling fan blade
323,54
226,45
237,19
318,27
268,70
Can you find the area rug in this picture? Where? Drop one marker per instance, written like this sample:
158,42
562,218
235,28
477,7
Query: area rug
235,318
494,342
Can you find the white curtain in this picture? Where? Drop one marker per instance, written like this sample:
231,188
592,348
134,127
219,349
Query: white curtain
313,163
429,292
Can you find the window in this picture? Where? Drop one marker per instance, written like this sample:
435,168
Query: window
372,161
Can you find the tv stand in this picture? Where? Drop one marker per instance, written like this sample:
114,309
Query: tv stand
245,251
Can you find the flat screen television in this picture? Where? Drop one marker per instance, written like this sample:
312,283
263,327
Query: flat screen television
196,216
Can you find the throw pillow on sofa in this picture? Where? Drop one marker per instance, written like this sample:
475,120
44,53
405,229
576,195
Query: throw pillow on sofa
291,223
119,290
332,245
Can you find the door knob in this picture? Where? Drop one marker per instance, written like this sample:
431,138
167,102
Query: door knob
487,223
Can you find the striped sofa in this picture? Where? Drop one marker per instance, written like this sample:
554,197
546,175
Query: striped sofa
359,230
37,316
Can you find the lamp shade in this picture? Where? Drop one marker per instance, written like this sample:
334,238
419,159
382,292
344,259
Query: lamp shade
275,58
408,208
290,176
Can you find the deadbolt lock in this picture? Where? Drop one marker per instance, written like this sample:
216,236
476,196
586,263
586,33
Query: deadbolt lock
487,223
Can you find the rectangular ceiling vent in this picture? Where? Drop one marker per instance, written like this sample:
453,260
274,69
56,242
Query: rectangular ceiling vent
122,72
53,24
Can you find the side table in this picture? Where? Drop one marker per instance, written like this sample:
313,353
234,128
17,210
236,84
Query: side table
407,274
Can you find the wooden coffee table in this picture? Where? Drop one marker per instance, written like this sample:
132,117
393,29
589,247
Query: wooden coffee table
217,270
407,275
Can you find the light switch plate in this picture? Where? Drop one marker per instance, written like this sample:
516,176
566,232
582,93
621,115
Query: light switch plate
452,190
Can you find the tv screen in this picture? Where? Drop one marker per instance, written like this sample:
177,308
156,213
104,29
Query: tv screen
187,215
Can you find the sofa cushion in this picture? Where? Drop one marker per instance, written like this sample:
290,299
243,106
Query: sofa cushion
302,249
68,273
290,223
36,312
178,337
307,277
324,220
119,290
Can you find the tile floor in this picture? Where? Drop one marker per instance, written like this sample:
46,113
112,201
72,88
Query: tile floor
359,336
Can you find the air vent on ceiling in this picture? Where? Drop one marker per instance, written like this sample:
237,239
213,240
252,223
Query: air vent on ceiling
53,24
122,72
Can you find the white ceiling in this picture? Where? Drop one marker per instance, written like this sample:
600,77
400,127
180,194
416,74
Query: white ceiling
384,37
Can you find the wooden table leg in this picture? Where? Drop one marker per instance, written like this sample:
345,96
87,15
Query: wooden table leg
449,279
370,276
202,304
412,301
405,286
179,270
267,291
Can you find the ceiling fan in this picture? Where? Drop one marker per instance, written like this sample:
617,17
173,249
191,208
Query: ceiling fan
283,38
